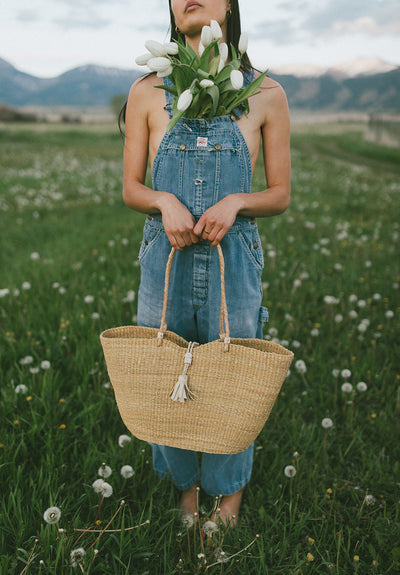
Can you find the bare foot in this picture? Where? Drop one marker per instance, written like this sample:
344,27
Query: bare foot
228,511
189,500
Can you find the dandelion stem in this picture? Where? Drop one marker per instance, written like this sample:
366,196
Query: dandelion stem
31,558
105,528
235,554
112,530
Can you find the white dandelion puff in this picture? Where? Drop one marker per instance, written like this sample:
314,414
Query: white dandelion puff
21,388
188,520
45,365
27,360
89,299
52,515
77,555
369,500
327,423
104,471
345,373
362,386
209,528
127,471
300,366
290,471
123,440
97,485
347,387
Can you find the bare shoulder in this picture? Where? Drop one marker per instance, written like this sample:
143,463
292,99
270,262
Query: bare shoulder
143,89
271,100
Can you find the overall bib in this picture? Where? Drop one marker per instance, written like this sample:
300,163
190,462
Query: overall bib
201,162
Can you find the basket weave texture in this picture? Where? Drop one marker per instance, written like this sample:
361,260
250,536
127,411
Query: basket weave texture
235,391
235,383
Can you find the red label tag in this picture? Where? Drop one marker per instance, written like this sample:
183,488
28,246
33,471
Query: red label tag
202,142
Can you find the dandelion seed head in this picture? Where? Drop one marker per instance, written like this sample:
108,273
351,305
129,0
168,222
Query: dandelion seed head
188,520
106,489
362,386
104,471
52,515
21,389
88,299
26,286
389,314
97,485
300,366
290,471
27,360
45,365
209,528
314,332
347,387
77,555
369,500
124,440
345,373
327,423
127,471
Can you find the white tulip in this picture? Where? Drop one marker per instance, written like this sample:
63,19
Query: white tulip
143,59
167,72
171,48
185,99
159,64
236,79
206,36
206,83
216,30
243,43
223,51
155,48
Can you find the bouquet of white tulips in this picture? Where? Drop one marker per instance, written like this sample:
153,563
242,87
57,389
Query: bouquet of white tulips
205,86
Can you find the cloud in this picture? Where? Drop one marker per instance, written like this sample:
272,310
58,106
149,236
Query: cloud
343,17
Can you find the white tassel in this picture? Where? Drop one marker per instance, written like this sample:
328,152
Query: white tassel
181,391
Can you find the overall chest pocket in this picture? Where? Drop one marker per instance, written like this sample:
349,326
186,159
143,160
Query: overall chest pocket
150,237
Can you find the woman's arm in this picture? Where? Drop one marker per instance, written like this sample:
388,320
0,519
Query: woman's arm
177,220
275,128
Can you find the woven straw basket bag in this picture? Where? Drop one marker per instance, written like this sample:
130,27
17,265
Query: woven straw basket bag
213,398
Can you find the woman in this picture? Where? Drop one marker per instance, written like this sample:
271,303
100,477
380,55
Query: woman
201,198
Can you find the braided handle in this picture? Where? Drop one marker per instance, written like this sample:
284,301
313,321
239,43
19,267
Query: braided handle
223,321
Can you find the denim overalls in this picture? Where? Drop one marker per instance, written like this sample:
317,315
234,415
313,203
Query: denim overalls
202,161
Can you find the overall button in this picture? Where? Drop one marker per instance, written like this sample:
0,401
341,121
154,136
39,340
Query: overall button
253,220
182,147
255,245
146,242
149,218
218,146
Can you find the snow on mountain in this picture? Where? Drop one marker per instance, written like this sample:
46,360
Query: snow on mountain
350,69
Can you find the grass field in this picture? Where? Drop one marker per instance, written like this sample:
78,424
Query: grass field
69,269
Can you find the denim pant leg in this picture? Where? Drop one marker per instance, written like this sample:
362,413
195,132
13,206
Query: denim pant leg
226,474
182,464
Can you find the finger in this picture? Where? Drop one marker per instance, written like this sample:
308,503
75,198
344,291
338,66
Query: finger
194,239
173,242
218,237
199,227
180,240
207,232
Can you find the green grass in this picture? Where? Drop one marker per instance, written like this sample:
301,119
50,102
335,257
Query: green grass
66,235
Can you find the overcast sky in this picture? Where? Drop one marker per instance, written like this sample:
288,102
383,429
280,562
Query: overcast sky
48,37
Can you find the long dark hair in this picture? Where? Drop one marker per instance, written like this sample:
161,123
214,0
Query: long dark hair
233,31
233,34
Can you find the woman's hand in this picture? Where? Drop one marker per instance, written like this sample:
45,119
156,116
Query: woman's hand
218,219
178,222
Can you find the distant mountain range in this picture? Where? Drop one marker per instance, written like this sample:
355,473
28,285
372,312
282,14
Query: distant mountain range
368,85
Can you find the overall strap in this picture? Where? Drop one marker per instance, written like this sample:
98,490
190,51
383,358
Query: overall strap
168,96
